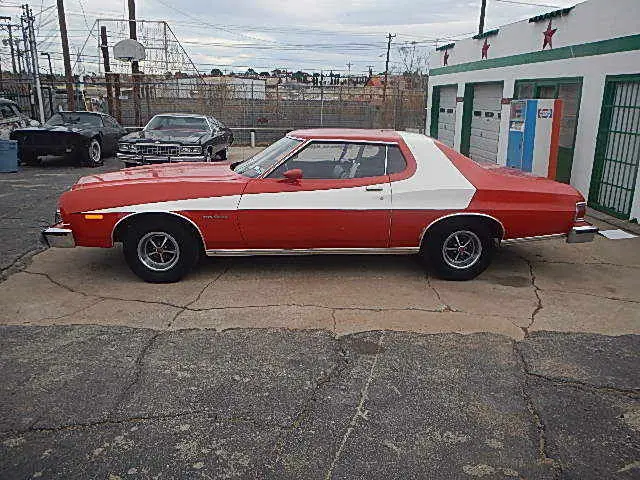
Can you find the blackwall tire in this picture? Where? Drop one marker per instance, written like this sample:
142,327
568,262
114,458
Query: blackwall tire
160,251
459,249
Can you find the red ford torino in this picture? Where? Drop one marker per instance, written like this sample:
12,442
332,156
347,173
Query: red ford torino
319,191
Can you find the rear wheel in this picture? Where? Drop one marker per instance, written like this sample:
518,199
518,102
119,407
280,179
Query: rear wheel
459,250
222,154
160,251
29,158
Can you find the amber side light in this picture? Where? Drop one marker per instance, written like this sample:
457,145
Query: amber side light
93,216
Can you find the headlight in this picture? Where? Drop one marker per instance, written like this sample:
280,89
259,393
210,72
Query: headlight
127,147
191,150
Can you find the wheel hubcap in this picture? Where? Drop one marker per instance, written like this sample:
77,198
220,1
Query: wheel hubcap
462,249
94,151
158,251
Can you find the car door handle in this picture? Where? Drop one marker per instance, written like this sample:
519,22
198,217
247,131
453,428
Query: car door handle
373,188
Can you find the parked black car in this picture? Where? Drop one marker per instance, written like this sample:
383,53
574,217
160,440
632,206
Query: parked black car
172,137
84,136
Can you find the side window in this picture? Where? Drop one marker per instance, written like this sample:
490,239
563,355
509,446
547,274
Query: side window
395,160
330,160
110,122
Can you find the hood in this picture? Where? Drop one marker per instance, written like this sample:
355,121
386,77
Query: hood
151,184
184,137
70,128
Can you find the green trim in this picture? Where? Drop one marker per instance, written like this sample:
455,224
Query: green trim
547,16
435,112
446,47
467,112
490,33
629,77
603,47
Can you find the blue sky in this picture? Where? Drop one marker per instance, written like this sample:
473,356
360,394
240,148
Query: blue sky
265,34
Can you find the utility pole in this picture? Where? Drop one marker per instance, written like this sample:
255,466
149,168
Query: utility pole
349,74
135,69
68,74
51,92
386,67
13,57
33,50
107,68
25,44
483,8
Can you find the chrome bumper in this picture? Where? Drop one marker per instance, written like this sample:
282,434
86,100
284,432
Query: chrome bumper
133,159
582,234
59,237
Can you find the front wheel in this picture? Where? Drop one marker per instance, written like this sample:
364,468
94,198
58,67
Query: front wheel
91,156
160,251
459,250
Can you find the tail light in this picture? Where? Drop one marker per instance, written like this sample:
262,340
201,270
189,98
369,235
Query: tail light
581,211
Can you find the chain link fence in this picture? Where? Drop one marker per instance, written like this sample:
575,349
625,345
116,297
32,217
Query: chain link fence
242,104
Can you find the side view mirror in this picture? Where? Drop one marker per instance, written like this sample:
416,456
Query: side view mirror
294,175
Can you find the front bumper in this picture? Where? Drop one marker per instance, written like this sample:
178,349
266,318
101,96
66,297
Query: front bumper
582,234
134,159
59,236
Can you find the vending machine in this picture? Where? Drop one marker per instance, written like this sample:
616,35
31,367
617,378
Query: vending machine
534,132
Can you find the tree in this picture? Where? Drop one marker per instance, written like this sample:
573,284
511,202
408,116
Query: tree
413,60
250,72
265,74
216,72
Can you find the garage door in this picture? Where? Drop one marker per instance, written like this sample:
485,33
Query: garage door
485,122
447,115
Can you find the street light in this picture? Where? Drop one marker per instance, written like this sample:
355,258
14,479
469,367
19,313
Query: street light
52,88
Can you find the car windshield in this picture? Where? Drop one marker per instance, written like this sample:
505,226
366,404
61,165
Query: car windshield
263,161
74,118
166,122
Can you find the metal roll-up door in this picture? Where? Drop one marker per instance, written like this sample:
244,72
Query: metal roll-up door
447,115
485,122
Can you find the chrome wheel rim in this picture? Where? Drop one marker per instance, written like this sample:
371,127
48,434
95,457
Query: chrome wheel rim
94,151
462,249
158,251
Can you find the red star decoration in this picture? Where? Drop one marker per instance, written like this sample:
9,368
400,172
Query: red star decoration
485,48
445,59
548,36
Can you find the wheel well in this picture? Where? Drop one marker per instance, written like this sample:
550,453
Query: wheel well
120,230
495,227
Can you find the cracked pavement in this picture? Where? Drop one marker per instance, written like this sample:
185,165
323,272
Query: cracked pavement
315,367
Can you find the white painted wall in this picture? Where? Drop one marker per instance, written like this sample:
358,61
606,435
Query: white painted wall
590,21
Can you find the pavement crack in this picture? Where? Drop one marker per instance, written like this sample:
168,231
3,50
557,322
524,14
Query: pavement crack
629,392
537,419
444,307
361,411
138,368
74,312
20,263
604,297
335,322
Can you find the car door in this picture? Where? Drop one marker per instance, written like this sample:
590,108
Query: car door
343,200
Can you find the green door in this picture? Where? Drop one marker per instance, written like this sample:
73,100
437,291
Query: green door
615,166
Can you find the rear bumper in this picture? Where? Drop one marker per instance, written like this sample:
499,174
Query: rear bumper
59,236
582,234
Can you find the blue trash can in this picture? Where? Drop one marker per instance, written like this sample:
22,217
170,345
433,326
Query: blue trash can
8,156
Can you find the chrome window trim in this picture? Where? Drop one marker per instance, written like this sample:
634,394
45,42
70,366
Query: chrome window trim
458,214
310,251
309,141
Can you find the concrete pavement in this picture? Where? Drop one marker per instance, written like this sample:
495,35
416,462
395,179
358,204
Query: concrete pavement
315,367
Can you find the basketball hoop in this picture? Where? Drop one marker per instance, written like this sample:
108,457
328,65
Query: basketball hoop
129,50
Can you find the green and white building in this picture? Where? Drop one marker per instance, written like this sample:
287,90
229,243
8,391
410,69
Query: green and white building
588,56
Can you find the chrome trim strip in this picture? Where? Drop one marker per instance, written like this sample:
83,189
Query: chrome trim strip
312,251
533,239
458,214
164,212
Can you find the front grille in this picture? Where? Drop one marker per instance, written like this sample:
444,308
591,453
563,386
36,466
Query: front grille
159,149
